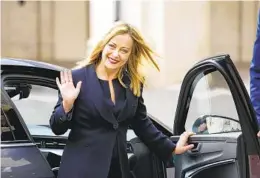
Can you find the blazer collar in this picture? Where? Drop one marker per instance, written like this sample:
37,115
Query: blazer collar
97,97
131,100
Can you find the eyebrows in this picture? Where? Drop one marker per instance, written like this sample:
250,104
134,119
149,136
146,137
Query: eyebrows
111,42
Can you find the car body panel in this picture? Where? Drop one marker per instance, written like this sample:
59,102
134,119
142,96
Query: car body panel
23,160
35,68
8,63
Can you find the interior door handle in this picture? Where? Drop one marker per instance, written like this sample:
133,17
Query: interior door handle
196,149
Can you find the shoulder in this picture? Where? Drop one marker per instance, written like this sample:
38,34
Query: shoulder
79,72
83,73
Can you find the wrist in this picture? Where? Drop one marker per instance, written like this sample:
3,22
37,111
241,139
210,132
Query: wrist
67,106
175,150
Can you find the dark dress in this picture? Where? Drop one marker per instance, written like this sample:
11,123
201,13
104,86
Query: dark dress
120,97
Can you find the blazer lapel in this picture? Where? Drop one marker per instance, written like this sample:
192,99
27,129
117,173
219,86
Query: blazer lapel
96,95
130,102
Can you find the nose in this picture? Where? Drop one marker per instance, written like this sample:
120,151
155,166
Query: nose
115,53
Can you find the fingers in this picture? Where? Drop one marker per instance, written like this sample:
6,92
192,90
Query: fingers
188,147
69,76
66,76
58,82
186,135
258,134
182,145
184,138
183,149
78,86
62,79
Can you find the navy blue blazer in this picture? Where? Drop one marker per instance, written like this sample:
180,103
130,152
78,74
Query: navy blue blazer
255,73
94,129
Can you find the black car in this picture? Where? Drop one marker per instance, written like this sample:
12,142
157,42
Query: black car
213,102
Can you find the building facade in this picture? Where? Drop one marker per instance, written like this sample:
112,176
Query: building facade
181,32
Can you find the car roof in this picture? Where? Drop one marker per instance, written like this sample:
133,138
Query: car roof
15,62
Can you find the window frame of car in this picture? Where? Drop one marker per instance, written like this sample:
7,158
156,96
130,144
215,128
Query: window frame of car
225,66
18,118
200,77
28,79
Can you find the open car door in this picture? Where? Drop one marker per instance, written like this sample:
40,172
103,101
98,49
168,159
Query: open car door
31,88
214,103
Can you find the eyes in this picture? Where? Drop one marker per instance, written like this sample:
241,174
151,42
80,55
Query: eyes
113,47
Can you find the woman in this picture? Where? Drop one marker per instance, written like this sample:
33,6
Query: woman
107,100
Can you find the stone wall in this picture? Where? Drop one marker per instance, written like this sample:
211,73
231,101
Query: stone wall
61,32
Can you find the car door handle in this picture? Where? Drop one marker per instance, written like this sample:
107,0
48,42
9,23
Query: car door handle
196,149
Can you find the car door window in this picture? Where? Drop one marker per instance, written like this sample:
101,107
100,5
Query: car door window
36,107
11,127
212,108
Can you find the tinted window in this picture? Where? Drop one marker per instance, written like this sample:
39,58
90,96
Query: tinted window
35,105
37,108
11,127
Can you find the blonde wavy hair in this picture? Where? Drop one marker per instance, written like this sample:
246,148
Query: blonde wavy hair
140,53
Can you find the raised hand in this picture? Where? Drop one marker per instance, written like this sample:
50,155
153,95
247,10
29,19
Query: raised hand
67,89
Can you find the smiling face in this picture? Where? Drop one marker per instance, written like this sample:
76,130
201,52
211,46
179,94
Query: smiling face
123,47
117,51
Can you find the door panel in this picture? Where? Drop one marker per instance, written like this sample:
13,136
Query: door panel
208,156
23,160
214,104
225,169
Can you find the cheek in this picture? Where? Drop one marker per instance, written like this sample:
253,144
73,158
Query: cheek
123,61
104,53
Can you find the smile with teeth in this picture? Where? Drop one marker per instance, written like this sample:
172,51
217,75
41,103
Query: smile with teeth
112,61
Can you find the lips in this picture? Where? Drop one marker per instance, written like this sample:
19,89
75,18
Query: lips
112,60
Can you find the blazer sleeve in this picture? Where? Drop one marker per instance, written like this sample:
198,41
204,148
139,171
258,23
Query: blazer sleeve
143,127
255,73
60,121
